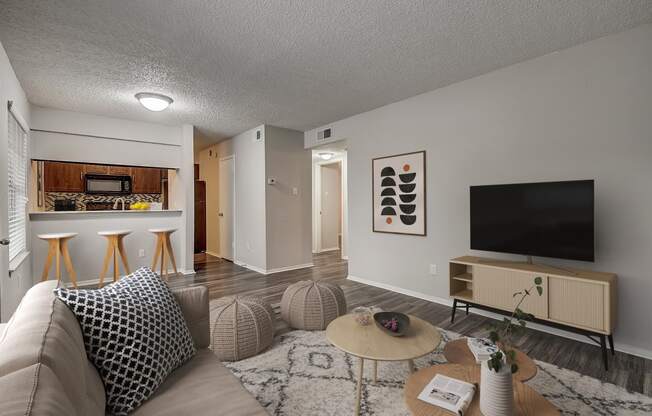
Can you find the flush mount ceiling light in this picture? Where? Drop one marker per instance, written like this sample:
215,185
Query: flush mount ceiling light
154,102
325,155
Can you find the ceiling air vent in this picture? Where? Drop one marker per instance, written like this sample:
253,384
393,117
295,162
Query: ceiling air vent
324,134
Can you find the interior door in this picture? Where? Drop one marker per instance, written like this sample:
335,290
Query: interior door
227,207
331,206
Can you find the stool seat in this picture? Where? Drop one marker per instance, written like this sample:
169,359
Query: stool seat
162,230
163,246
114,232
115,248
58,249
56,236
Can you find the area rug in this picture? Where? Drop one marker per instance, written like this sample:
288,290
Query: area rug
302,374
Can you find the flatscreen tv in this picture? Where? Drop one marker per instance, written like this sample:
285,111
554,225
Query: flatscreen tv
547,219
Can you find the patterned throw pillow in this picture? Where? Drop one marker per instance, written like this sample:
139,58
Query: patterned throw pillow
134,333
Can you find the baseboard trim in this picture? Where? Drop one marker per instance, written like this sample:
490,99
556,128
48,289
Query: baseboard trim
272,271
628,349
326,250
212,254
109,279
288,268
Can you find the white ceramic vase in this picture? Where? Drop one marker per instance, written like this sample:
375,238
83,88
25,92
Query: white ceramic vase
496,391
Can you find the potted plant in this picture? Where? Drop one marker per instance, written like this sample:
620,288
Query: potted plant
496,389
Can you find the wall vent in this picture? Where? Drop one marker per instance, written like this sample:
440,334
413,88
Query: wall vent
324,134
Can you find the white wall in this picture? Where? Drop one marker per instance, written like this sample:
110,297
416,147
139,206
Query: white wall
67,136
288,215
12,287
79,137
272,226
581,113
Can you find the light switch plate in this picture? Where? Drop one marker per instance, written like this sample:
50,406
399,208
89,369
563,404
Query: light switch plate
141,252
433,269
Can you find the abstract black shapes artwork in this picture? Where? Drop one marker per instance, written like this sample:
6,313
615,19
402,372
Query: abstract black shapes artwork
387,181
407,198
402,176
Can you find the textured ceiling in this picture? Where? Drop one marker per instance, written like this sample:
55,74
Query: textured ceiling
232,65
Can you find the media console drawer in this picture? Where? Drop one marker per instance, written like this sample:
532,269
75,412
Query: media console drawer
577,303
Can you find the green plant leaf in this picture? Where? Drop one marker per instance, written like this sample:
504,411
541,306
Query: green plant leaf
538,280
493,336
540,290
514,368
527,292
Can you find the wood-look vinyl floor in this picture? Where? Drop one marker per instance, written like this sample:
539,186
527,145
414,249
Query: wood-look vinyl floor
224,278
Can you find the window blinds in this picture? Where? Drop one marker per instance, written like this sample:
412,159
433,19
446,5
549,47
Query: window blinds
17,161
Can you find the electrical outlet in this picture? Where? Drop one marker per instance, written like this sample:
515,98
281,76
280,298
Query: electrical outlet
141,252
295,191
433,269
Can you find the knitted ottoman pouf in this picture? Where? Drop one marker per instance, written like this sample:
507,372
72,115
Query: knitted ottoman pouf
312,305
242,327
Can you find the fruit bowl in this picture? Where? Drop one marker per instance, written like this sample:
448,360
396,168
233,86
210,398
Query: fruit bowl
392,323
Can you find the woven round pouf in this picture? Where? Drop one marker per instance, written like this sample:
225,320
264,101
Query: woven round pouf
312,305
243,327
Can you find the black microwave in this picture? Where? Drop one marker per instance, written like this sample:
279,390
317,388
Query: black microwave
107,184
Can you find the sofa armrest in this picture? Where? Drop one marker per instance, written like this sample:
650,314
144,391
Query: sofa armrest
194,305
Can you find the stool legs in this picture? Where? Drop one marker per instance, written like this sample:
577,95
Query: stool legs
56,249
163,247
114,251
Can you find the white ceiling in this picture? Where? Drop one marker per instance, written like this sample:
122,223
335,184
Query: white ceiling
232,65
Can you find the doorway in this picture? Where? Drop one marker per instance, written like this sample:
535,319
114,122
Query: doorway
226,212
329,199
331,206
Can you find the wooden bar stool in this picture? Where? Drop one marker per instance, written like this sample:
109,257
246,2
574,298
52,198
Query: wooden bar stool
114,248
163,245
58,247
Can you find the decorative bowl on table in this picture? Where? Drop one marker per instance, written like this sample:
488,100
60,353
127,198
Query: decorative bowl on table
395,324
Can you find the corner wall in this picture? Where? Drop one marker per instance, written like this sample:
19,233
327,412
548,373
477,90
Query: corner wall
581,113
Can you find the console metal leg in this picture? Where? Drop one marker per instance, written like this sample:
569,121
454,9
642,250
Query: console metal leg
454,309
603,345
611,344
467,308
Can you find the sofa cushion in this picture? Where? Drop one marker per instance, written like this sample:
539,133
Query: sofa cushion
134,333
42,357
203,386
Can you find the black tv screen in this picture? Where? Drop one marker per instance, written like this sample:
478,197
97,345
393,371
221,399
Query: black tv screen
548,219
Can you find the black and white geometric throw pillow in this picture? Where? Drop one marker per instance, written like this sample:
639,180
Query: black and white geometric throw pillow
134,333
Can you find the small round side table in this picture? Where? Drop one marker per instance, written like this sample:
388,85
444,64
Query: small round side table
526,401
457,352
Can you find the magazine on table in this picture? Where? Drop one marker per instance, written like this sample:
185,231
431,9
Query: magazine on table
448,393
481,348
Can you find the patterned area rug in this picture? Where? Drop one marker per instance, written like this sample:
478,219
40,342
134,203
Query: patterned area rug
303,375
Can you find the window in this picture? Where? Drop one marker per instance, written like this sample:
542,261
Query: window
17,178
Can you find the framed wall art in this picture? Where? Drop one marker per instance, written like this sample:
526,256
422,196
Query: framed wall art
399,193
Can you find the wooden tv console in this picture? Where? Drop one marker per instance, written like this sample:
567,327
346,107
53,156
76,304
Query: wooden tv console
575,300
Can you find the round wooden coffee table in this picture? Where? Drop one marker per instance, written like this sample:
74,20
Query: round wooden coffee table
457,352
370,343
526,400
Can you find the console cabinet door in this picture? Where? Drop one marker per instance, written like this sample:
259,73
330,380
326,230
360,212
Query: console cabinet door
577,302
496,287
63,177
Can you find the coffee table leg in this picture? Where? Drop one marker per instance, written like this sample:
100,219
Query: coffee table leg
411,366
359,392
375,371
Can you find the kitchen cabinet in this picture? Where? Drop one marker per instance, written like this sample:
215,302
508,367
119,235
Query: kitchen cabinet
63,177
146,180
96,169
120,170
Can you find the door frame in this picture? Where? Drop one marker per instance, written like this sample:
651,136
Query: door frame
317,244
220,160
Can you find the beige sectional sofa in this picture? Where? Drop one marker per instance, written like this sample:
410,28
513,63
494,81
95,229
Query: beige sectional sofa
44,369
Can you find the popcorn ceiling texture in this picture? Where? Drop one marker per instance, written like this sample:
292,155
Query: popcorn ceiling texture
232,65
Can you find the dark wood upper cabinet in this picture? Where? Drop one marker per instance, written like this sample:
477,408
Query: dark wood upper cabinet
146,180
96,169
120,170
63,177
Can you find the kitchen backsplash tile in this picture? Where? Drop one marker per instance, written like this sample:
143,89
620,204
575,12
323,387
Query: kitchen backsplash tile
81,199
